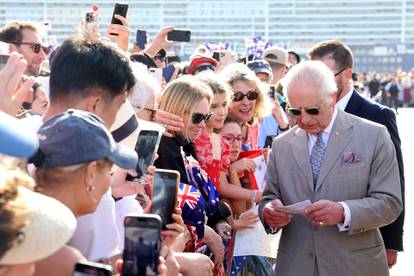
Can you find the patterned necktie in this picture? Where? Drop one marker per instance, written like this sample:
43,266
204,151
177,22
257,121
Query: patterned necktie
318,151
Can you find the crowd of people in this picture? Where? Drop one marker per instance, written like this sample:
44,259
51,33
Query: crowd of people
392,90
247,137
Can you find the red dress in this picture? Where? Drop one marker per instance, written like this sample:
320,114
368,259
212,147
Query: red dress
204,151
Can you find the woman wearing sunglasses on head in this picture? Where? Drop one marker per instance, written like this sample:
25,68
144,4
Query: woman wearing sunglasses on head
248,105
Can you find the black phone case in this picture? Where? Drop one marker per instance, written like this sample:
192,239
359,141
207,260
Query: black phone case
179,35
120,9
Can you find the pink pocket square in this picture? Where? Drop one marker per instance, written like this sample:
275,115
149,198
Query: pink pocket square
349,158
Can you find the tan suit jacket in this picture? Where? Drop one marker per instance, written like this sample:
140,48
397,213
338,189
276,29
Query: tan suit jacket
369,187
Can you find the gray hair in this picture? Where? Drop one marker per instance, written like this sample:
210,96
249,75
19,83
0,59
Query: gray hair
146,89
312,73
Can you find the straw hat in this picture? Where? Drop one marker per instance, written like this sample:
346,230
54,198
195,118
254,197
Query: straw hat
49,226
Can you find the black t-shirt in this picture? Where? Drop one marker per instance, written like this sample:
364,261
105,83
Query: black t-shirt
170,158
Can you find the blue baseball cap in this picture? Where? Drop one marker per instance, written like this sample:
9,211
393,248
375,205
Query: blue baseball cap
260,66
77,137
16,138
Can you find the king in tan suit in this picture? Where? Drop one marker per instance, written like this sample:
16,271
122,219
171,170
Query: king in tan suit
346,166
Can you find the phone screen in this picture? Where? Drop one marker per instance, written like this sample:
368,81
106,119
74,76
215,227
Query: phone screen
146,147
164,194
142,246
141,39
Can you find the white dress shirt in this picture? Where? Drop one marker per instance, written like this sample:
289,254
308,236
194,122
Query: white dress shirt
342,103
325,138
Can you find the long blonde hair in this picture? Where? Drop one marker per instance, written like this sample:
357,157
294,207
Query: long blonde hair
181,96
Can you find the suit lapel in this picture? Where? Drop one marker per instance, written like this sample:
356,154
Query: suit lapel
299,146
340,136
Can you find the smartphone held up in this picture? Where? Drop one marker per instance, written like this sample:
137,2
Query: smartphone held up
142,245
164,194
146,146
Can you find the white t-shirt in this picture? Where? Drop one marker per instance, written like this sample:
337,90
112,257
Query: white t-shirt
126,206
97,236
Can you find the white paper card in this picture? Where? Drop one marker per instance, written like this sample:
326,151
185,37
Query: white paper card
296,208
255,241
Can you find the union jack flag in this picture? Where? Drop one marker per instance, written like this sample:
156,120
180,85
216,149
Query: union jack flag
189,195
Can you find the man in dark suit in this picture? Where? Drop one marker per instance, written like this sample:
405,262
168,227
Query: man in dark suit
338,57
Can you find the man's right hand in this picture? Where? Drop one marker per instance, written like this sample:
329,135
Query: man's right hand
273,218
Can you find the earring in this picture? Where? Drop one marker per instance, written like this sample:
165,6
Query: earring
91,188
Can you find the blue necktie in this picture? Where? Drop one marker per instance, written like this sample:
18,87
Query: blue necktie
316,158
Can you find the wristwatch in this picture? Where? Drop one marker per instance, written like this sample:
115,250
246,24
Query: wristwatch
284,129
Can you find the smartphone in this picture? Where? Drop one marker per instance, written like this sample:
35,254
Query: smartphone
272,92
179,35
164,194
142,245
91,21
120,9
92,269
3,60
146,147
216,55
156,73
167,72
141,39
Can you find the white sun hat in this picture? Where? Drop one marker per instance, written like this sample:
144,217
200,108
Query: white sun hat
49,226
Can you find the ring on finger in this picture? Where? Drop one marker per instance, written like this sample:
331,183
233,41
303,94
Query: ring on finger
321,224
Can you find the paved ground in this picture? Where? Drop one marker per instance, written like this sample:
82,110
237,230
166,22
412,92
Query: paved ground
405,263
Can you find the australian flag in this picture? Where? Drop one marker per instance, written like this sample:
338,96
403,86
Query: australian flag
192,204
256,46
213,46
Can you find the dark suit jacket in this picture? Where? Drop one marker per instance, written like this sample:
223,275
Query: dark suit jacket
364,108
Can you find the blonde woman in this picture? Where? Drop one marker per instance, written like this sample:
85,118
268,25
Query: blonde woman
249,104
190,99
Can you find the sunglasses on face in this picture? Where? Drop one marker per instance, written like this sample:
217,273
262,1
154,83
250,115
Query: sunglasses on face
35,46
251,96
231,138
205,67
199,117
311,110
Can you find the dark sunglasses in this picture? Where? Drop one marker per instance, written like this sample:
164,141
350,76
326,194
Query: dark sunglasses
205,67
35,46
311,110
251,96
199,117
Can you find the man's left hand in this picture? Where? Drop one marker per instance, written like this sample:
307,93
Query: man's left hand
325,213
392,257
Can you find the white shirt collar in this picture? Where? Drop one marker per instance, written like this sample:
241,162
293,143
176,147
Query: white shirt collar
325,134
342,103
